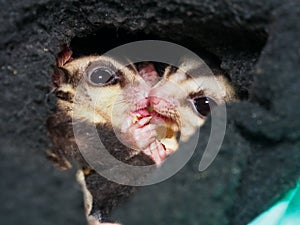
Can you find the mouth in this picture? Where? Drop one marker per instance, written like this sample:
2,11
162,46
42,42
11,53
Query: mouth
156,117
167,127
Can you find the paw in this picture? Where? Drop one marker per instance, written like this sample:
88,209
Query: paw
157,152
137,133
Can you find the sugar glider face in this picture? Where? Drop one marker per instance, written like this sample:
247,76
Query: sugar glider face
147,111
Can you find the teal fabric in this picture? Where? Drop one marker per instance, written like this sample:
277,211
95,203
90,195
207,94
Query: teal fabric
284,212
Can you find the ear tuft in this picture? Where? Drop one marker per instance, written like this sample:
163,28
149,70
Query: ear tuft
62,58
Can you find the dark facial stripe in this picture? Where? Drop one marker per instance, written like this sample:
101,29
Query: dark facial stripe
66,96
172,70
196,94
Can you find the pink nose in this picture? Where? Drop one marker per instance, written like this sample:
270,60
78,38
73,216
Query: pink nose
154,100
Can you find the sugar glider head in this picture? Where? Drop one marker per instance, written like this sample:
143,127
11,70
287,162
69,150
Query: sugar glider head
193,90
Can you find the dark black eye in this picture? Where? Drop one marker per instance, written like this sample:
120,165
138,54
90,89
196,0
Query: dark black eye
203,105
101,76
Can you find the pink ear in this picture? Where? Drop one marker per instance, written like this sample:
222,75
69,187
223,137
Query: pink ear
64,56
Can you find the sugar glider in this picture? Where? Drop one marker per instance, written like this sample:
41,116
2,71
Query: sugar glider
139,110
